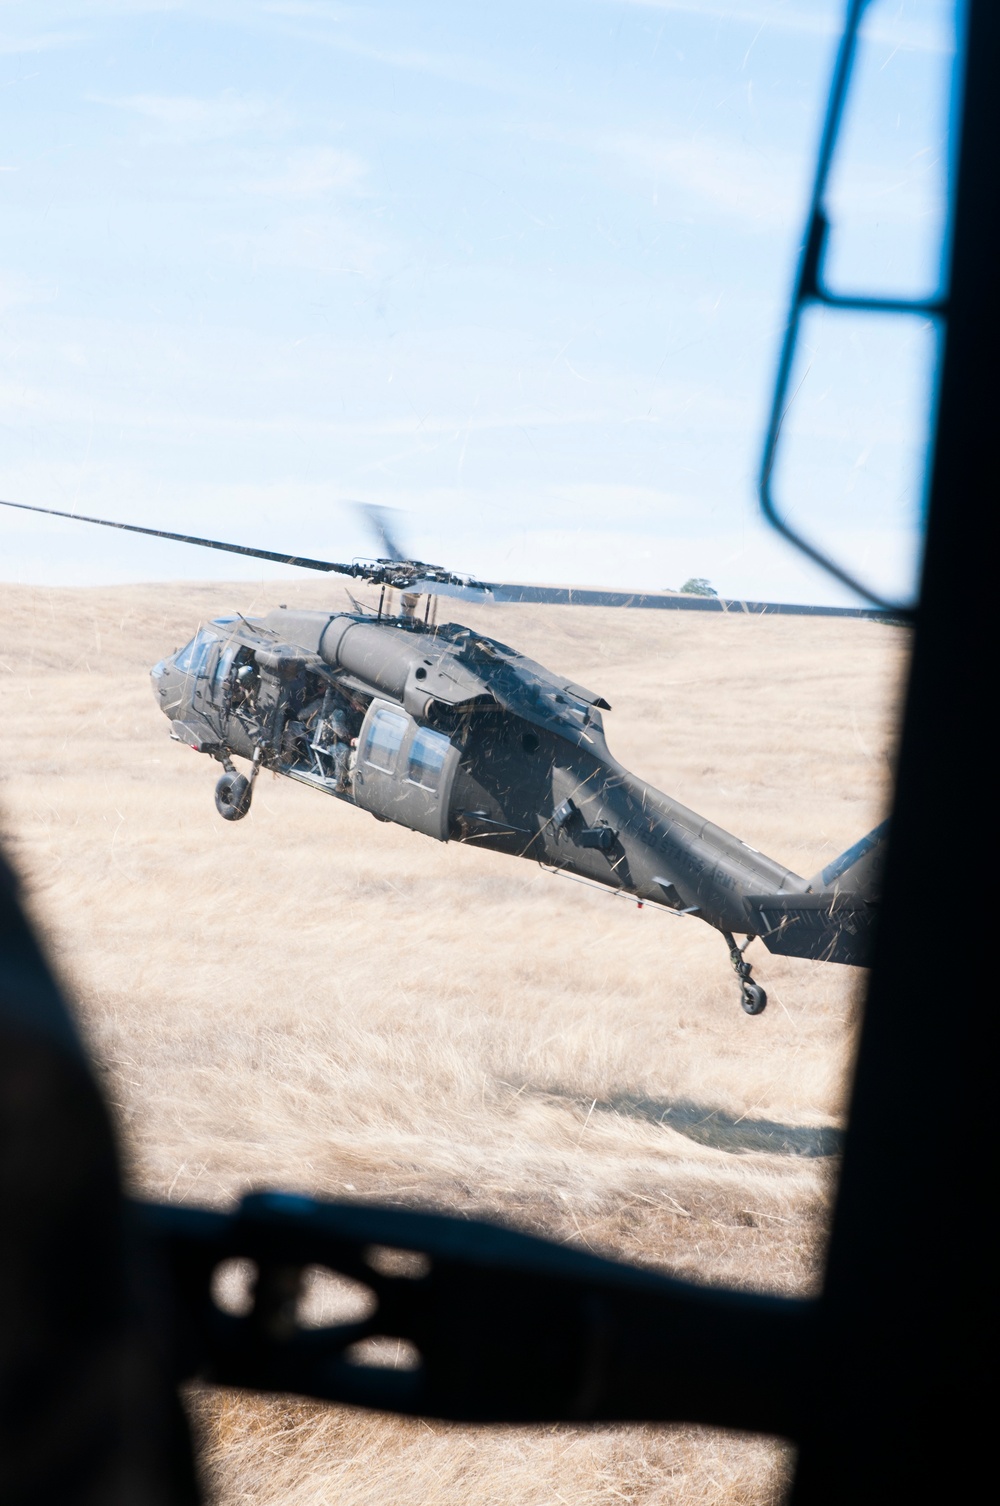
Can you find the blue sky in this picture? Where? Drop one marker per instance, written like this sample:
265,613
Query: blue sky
518,271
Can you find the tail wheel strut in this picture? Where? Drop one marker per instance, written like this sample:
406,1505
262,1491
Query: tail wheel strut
752,996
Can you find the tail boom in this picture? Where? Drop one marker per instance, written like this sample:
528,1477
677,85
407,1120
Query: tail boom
834,919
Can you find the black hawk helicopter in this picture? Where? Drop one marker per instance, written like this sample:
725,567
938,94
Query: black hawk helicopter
451,733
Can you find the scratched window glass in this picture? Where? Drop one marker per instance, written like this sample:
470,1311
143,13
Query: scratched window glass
427,756
429,348
385,738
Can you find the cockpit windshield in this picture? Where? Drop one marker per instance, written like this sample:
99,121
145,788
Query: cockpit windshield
191,658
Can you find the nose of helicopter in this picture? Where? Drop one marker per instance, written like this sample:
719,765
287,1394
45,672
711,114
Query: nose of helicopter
166,683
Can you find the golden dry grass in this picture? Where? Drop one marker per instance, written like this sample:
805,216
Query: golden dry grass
313,1000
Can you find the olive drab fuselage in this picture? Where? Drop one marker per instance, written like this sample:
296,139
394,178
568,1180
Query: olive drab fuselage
460,737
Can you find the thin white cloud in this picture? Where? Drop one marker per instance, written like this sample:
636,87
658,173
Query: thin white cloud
786,15
191,118
315,241
53,404
730,178
313,173
722,177
16,289
930,32
691,175
47,41
314,10
332,29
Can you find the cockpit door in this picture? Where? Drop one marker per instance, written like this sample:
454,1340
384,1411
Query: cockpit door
404,771
205,661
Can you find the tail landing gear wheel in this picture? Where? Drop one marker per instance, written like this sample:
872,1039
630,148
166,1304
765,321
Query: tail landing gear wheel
232,797
754,998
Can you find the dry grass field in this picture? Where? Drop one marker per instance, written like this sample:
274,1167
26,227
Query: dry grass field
312,1000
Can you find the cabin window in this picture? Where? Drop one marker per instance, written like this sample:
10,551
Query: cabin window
385,735
427,755
191,660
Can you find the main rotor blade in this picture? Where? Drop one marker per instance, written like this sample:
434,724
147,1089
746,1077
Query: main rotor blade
188,538
379,520
503,592
487,592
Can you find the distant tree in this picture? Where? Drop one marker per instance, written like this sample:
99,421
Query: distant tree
698,586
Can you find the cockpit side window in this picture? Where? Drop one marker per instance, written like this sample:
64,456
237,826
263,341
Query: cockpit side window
427,756
191,660
385,735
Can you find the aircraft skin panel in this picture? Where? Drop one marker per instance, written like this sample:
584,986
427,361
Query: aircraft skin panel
658,851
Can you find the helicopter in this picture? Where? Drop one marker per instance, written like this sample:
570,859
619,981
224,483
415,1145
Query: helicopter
451,733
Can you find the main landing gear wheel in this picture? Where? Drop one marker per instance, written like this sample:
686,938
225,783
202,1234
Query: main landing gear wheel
232,796
754,998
